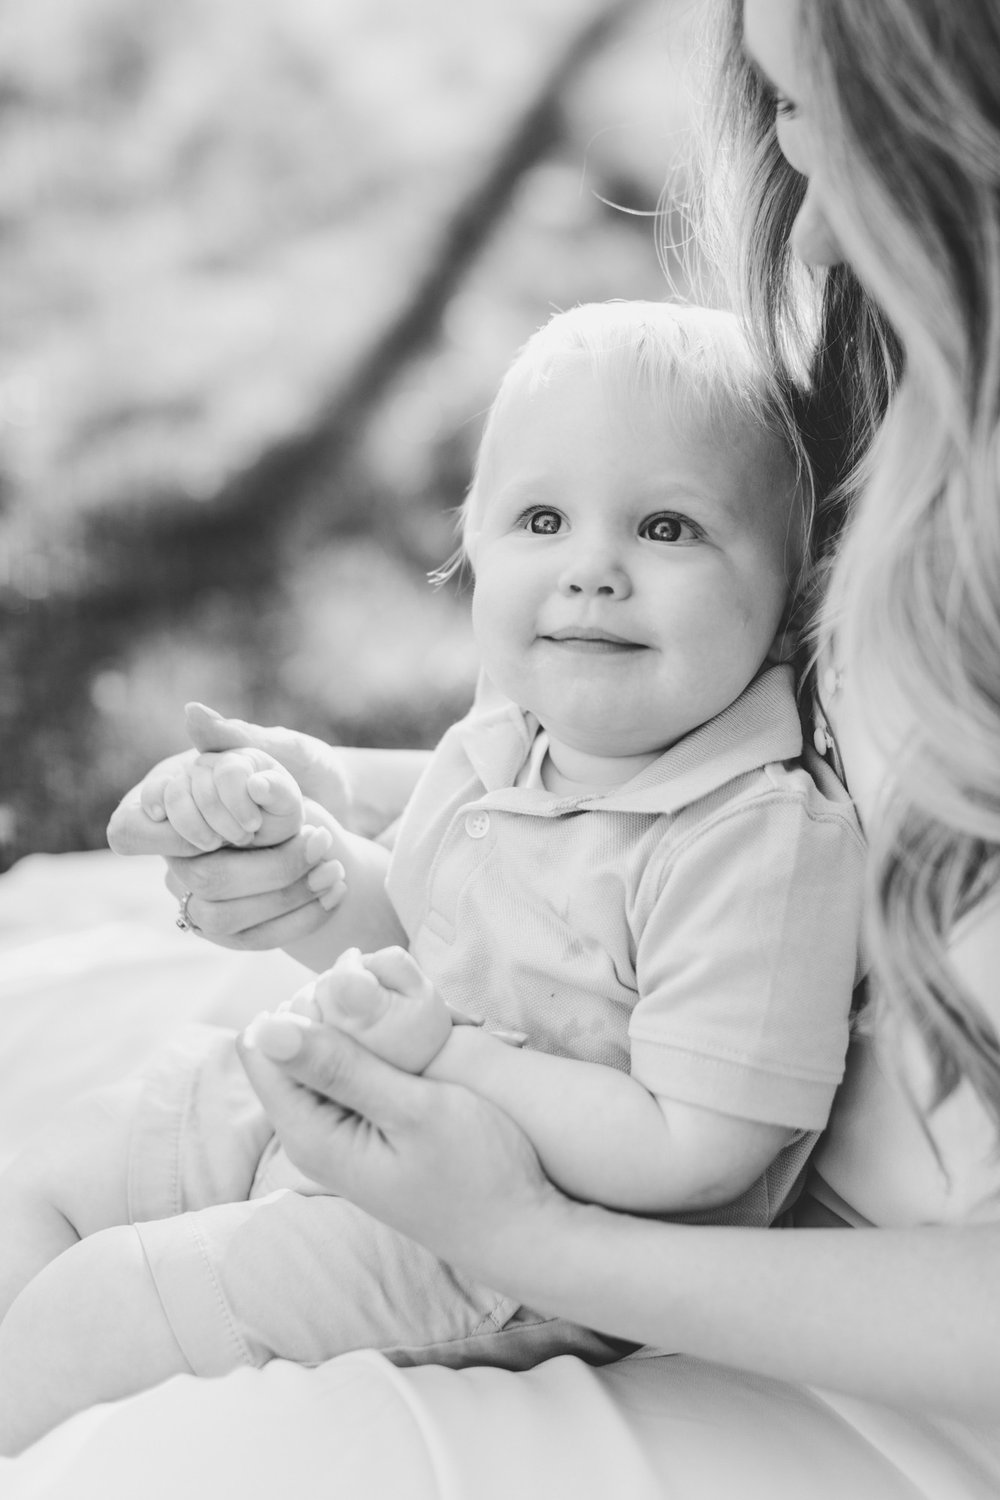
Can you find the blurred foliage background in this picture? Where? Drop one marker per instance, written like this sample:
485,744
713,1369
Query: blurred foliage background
262,267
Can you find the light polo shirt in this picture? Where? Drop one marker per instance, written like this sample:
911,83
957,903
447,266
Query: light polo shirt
697,926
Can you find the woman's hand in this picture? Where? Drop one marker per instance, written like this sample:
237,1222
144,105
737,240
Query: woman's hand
255,899
138,825
250,899
433,1160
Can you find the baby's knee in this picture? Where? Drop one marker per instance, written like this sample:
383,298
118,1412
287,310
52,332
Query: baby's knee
74,1304
80,1163
88,1328
92,1285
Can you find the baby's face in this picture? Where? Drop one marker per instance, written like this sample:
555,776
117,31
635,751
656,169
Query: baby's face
631,573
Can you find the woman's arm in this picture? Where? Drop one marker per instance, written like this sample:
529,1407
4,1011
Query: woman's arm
905,1316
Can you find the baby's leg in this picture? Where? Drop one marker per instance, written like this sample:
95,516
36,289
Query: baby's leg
90,1324
68,1183
304,1278
89,1327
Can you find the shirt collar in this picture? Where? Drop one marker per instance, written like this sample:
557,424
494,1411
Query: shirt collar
760,727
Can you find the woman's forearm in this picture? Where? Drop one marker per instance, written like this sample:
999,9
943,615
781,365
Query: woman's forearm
379,784
909,1317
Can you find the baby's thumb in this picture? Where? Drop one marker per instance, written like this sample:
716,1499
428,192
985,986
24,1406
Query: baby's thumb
275,792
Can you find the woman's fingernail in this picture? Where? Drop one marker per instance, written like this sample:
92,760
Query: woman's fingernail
319,842
157,813
251,1028
323,876
512,1038
464,1017
203,708
279,1037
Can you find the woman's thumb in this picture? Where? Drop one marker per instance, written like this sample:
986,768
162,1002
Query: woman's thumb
210,731
334,1066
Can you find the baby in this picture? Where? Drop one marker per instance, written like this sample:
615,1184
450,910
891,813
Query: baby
618,856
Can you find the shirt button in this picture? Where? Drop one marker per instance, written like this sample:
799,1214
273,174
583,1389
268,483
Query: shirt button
477,825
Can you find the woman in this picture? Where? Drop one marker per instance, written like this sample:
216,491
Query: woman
889,120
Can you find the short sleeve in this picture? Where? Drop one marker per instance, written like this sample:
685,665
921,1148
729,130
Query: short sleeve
746,962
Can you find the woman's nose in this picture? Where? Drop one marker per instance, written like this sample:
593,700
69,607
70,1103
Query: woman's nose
595,571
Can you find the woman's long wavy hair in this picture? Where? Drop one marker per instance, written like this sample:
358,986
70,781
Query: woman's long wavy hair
900,413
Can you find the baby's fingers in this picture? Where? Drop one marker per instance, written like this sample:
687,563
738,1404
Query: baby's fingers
153,786
151,797
231,775
205,791
275,791
186,818
397,970
348,991
407,1025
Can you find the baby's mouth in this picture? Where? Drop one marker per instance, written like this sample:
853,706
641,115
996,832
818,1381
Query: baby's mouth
589,638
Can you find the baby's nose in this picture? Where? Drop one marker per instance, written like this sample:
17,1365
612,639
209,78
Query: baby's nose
595,572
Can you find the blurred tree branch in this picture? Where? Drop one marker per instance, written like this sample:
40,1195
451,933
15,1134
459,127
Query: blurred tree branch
236,536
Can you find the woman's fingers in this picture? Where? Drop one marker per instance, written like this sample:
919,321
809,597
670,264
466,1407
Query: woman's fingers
252,923
339,1110
234,874
316,766
334,1066
432,1159
133,830
254,899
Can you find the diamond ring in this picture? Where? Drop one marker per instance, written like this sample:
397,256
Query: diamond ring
184,922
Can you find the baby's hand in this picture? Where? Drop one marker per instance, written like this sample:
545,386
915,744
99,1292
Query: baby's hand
383,999
238,797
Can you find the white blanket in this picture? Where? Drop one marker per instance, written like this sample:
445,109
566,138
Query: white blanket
94,976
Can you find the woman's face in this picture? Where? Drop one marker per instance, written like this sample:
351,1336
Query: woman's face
772,40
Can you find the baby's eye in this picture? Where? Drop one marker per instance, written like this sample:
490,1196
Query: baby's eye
542,522
667,528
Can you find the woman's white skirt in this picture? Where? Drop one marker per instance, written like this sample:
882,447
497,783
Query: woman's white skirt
358,1428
